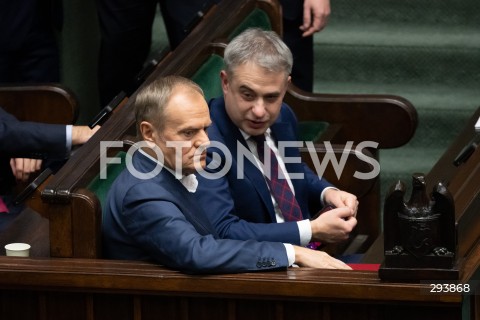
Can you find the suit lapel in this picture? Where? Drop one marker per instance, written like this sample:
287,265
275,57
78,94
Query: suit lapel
185,202
232,135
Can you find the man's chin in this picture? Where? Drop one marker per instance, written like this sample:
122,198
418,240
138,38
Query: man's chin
255,131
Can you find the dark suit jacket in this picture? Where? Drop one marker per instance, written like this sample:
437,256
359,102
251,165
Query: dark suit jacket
249,198
159,220
27,140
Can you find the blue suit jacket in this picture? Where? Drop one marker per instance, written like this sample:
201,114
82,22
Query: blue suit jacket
159,220
27,140
31,139
230,198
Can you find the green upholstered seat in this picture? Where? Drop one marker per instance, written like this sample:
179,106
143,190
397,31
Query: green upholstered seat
208,77
311,130
100,187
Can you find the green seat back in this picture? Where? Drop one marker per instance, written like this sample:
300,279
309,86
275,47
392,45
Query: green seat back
311,130
256,19
100,187
208,77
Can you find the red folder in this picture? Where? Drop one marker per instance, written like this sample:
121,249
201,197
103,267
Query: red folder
364,266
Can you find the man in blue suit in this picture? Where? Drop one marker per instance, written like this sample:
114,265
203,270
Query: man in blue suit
23,147
22,140
241,202
151,212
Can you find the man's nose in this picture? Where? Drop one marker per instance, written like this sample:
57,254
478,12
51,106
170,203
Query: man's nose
258,108
203,139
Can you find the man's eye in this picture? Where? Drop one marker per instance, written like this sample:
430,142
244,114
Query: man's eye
247,95
188,133
271,98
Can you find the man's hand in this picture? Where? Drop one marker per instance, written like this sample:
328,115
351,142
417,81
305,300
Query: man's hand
315,16
81,134
339,199
22,168
317,259
334,225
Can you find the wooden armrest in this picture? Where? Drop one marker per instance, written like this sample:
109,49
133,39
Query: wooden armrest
389,120
343,178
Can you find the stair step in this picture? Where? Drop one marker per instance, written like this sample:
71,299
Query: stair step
442,110
391,35
412,12
388,64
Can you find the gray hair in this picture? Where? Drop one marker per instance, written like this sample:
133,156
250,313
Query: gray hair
151,101
264,48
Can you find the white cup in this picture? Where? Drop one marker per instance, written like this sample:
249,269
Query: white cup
17,249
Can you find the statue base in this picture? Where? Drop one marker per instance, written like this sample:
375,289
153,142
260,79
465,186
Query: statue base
423,275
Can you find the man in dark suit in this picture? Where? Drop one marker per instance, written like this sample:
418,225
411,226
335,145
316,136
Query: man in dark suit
301,20
28,40
151,213
33,140
126,34
23,148
235,189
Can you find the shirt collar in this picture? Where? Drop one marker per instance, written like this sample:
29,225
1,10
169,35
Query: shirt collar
190,181
246,136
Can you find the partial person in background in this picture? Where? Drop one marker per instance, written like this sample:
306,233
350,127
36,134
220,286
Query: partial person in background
28,41
25,145
301,20
126,35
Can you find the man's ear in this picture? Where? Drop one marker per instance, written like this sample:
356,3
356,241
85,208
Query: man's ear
147,131
224,79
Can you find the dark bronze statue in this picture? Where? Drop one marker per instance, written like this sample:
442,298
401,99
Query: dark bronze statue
419,233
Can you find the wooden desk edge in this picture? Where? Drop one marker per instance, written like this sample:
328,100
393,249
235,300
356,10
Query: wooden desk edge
295,283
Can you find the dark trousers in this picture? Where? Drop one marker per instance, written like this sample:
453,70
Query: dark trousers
302,51
36,59
126,31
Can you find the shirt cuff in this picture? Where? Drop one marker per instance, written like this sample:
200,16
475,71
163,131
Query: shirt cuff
305,231
69,138
290,253
322,195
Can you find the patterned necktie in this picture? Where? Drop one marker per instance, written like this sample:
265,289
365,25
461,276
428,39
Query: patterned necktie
278,186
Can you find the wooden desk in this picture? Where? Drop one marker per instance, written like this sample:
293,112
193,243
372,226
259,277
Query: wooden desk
100,289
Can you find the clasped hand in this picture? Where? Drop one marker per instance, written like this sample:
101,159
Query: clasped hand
336,225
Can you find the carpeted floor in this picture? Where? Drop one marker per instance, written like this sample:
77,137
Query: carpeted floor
425,51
